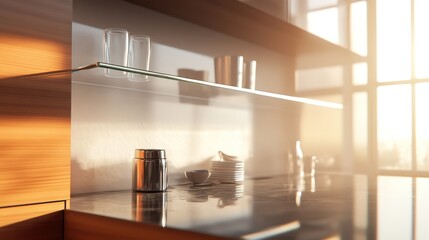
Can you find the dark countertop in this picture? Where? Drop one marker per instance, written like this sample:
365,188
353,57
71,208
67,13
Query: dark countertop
330,206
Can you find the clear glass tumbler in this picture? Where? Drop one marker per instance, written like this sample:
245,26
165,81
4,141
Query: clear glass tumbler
116,50
139,56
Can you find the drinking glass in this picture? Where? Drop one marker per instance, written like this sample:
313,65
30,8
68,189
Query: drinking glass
115,50
229,70
139,56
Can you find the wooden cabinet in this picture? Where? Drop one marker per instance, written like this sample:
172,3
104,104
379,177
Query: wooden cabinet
239,20
35,36
34,111
35,159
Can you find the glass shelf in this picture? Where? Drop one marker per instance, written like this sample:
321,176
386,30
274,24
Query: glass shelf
186,88
192,88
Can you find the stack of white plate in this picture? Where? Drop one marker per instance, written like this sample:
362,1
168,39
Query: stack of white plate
228,171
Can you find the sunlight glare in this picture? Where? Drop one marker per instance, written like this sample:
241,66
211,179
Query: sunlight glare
324,23
358,27
394,126
26,55
422,126
394,208
393,40
421,38
360,73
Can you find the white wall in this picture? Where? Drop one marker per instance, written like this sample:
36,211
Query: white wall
109,123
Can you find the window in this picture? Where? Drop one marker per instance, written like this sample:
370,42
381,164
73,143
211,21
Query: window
398,88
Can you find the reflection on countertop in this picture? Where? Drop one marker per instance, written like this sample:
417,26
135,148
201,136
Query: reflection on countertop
333,206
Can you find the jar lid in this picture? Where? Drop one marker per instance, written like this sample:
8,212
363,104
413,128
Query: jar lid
150,153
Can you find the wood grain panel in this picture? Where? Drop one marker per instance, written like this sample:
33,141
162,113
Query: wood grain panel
35,36
35,160
84,226
33,222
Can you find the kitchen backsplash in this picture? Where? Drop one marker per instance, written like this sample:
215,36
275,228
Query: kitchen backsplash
109,123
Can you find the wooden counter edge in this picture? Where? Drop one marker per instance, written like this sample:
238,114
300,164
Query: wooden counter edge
83,226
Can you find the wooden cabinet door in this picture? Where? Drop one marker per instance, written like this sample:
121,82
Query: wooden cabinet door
35,36
32,222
